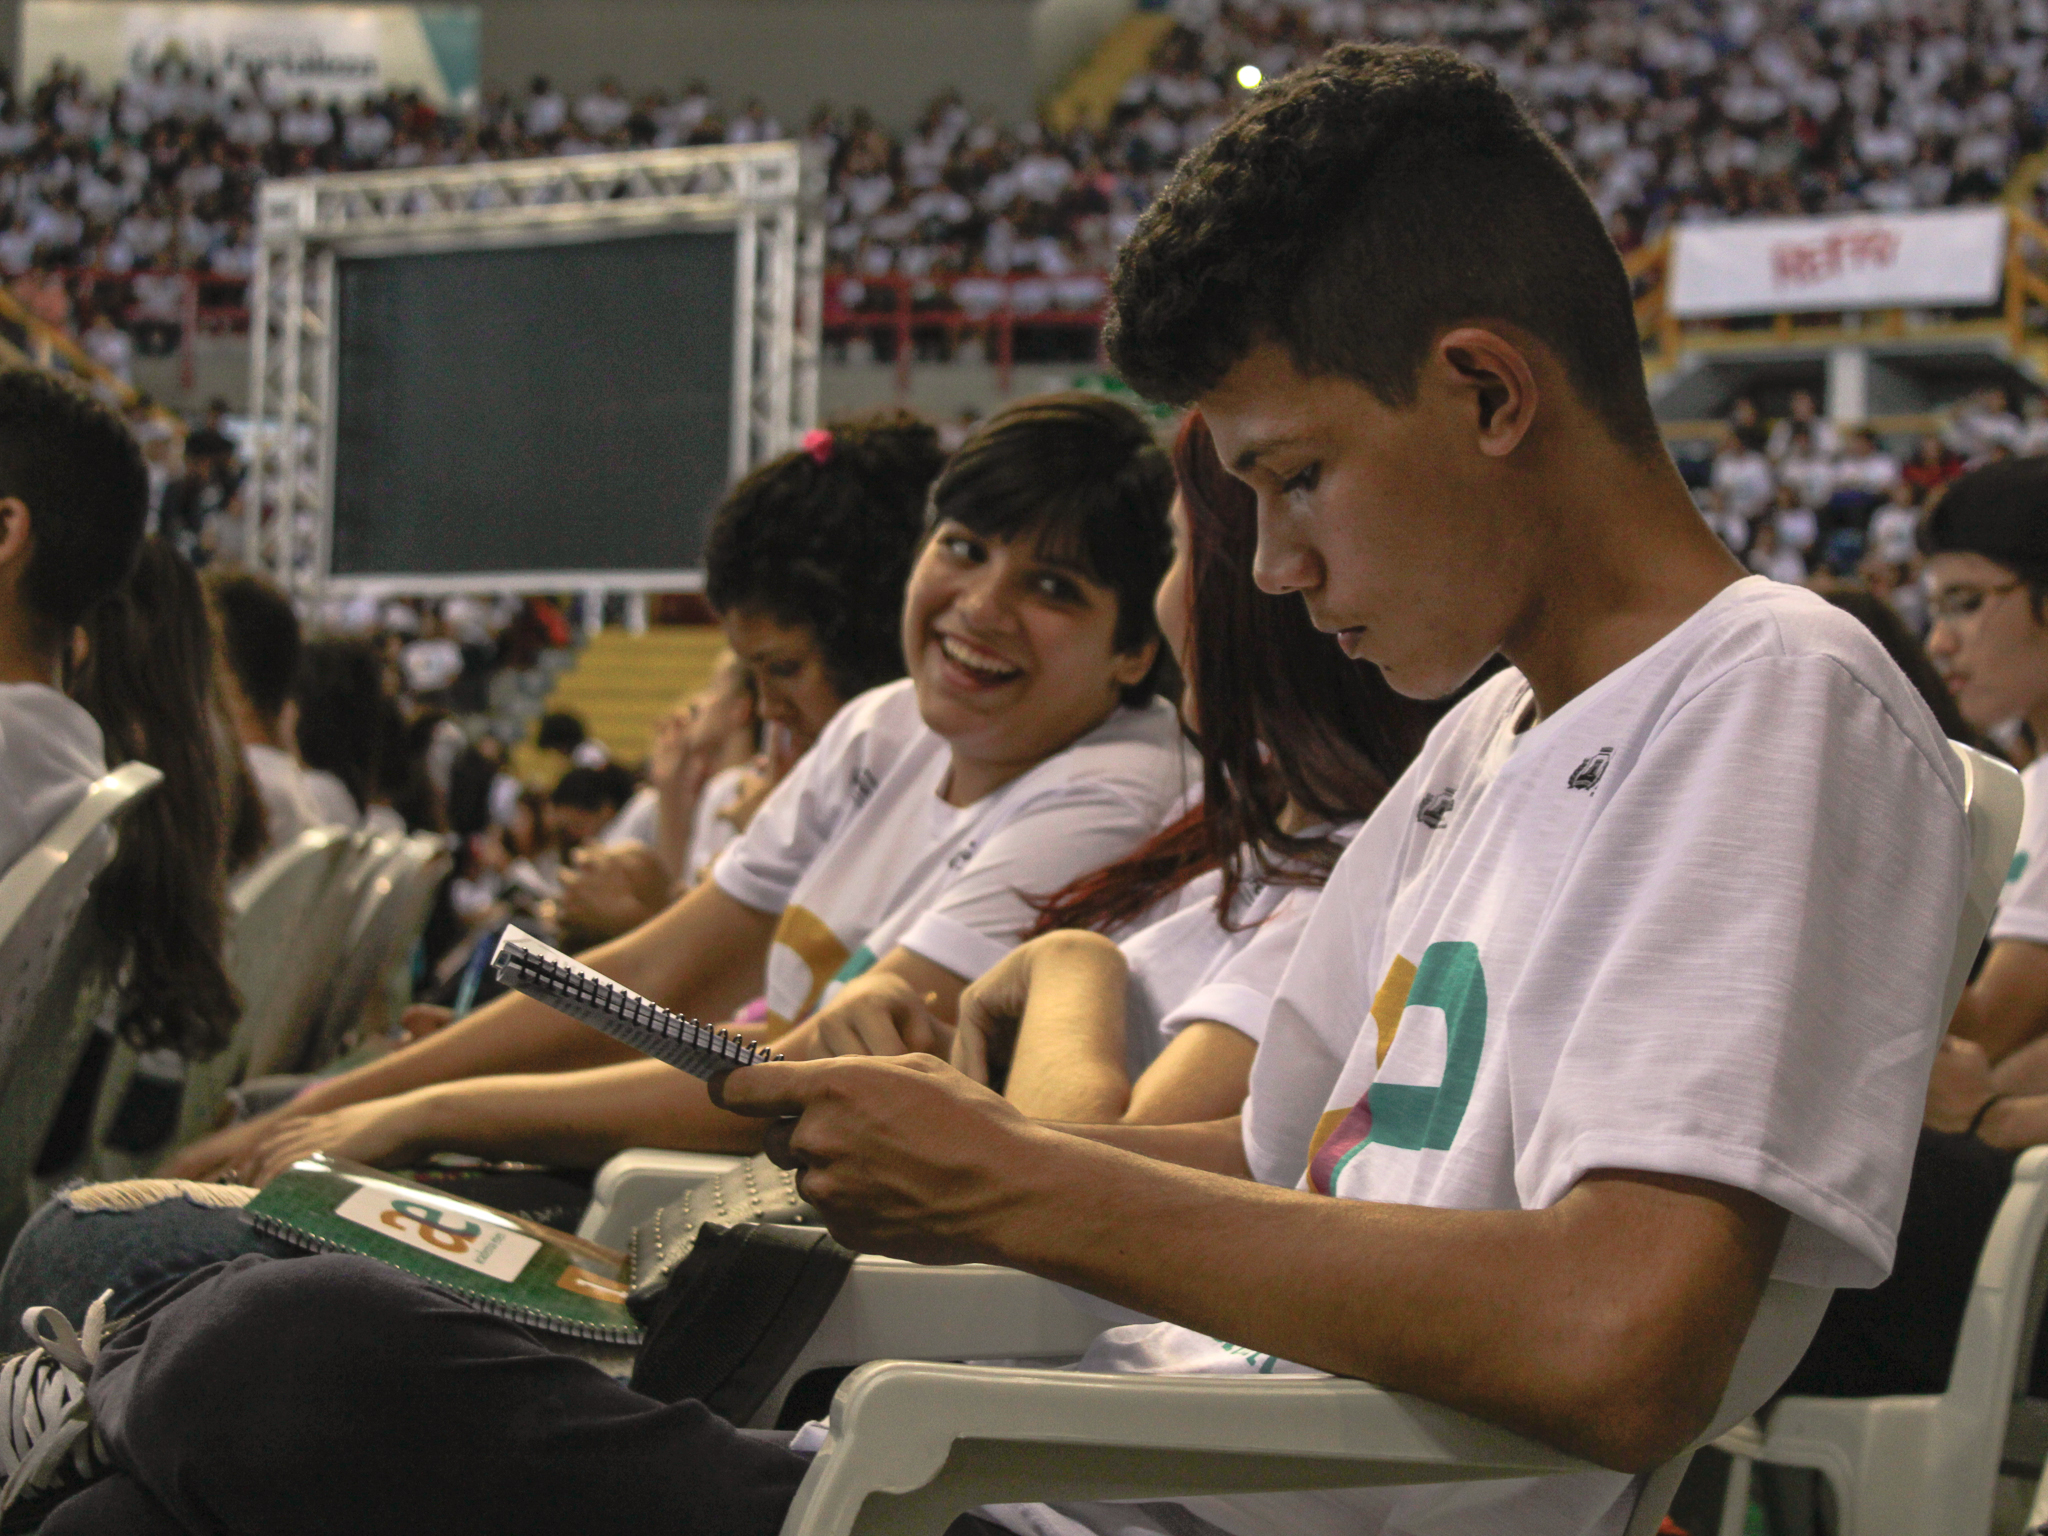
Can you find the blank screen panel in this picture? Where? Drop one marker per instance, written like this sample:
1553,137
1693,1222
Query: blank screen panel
547,408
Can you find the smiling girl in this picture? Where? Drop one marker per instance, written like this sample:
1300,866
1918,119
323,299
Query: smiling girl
1025,747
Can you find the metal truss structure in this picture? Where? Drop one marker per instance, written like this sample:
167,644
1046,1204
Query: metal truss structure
305,223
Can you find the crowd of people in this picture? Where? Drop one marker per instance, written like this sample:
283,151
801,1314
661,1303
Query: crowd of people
1708,110
1801,498
1009,823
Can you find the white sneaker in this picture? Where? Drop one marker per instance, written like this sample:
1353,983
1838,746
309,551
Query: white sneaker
48,1446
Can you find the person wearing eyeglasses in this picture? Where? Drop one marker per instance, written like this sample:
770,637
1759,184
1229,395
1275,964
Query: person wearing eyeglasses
1987,591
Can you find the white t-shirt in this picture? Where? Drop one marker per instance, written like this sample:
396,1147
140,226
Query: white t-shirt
1697,922
337,806
712,830
50,752
289,804
2023,904
859,854
1186,966
638,821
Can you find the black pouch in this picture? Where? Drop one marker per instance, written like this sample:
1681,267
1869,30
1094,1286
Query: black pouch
726,1323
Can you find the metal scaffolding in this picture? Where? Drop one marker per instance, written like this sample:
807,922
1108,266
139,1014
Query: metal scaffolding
757,191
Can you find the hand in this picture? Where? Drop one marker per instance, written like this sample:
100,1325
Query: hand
879,1014
903,1156
611,890
384,1133
1959,1086
990,1011
677,764
423,1019
226,1154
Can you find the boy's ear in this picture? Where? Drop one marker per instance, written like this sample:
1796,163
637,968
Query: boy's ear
17,532
1499,382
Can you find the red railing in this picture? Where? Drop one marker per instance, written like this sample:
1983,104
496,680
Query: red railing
906,315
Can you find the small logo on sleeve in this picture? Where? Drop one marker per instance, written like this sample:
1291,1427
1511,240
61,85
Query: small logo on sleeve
1435,808
1588,773
860,784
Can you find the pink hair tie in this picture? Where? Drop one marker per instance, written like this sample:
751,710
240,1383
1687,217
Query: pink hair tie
818,444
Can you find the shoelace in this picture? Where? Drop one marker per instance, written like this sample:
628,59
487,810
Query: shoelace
42,1393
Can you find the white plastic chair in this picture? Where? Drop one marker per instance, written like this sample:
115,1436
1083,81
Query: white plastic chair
48,956
1924,1464
267,911
397,899
308,976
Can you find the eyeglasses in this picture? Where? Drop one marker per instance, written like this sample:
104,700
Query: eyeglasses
1960,602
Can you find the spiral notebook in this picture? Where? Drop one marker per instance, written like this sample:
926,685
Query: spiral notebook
492,1260
547,975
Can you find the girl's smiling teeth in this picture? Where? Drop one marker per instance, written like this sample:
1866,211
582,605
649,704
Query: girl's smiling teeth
983,665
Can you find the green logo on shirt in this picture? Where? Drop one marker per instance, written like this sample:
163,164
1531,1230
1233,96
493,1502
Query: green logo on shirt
1449,977
2019,867
1404,1115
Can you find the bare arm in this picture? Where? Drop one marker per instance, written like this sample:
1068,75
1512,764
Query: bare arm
571,1119
2007,1005
1606,1325
702,956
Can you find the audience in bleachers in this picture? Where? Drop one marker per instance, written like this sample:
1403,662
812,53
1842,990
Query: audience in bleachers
1715,110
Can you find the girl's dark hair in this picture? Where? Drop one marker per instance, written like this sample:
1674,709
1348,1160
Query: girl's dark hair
823,538
1081,476
1281,712
148,678
340,690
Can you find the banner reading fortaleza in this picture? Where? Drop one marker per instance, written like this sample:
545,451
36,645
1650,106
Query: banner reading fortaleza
330,50
1852,261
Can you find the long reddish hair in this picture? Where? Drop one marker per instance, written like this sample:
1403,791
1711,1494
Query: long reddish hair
1282,714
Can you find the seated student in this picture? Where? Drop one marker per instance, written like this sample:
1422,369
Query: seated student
1025,747
260,639
340,731
1987,582
73,495
1589,1038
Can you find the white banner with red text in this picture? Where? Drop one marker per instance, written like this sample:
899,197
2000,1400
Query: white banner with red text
1851,261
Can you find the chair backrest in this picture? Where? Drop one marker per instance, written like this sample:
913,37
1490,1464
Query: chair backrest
308,976
397,898
267,911
47,958
1789,1315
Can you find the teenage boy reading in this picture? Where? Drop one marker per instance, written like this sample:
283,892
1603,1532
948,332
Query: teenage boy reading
73,496
1622,1002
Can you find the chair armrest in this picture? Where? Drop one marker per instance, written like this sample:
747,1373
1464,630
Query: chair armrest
890,1310
636,1183
912,1445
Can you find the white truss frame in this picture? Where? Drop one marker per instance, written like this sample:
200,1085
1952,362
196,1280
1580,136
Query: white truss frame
756,190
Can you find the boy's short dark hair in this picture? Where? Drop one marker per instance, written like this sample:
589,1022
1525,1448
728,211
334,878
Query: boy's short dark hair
1082,475
260,634
1352,213
73,463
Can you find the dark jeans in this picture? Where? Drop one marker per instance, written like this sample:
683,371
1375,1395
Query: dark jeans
335,1396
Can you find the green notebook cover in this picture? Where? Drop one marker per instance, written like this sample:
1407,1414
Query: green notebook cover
498,1263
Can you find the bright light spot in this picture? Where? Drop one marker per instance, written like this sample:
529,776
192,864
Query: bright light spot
1249,76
